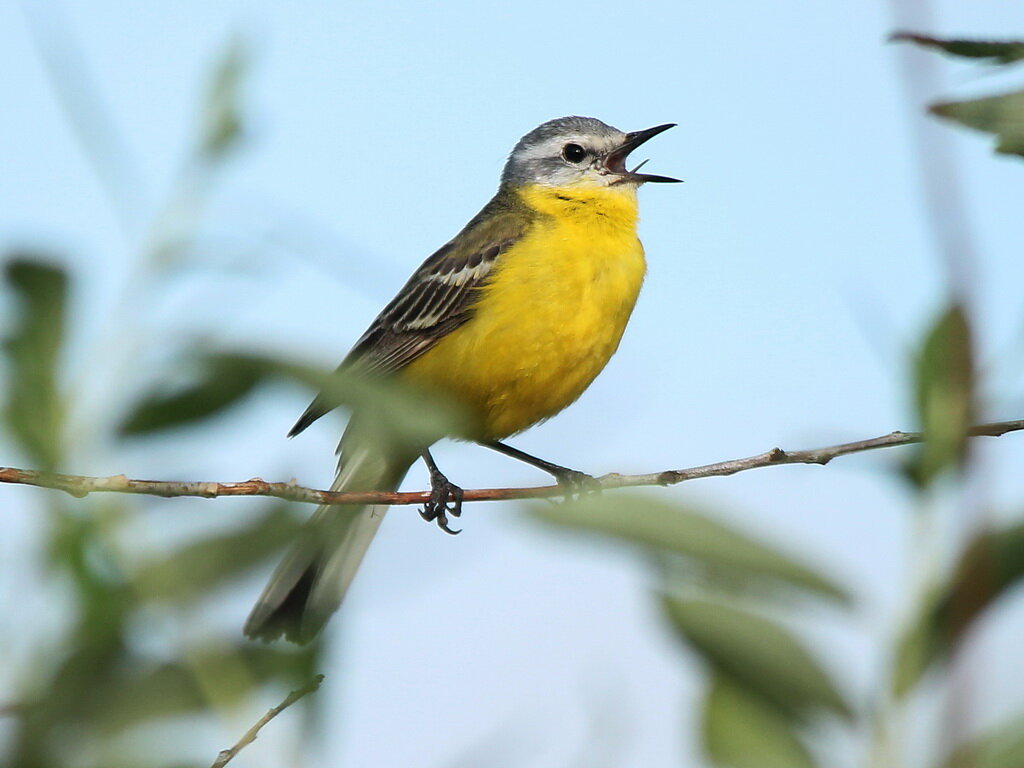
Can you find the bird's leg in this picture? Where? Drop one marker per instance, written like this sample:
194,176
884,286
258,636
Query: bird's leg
445,497
572,479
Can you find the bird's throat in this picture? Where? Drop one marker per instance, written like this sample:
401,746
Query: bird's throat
614,206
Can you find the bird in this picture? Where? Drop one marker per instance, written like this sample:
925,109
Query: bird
510,320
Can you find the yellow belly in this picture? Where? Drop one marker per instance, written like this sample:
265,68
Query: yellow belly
551,316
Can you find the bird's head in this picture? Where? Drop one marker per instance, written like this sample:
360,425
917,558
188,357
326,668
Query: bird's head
578,152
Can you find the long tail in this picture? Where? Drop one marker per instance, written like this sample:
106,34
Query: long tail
309,584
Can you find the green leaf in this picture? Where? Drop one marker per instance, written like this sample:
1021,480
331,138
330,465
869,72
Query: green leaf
663,527
1001,115
222,122
198,568
224,381
119,691
916,650
945,395
226,674
759,655
104,685
989,566
394,410
997,51
742,731
1003,747
33,408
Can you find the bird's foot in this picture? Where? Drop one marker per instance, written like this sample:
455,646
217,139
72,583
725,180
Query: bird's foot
445,499
574,482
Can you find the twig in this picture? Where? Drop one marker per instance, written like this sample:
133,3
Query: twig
226,755
81,485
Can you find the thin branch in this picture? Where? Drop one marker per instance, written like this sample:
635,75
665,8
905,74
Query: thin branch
81,485
226,755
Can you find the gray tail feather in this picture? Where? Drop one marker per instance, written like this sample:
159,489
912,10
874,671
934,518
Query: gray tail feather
311,581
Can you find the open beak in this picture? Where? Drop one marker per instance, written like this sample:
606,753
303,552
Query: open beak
615,161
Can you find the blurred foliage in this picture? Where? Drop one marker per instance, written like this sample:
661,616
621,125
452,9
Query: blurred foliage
108,684
211,562
32,405
222,128
742,730
715,550
223,382
99,679
990,565
718,588
1001,747
407,415
758,654
1002,114
944,384
993,51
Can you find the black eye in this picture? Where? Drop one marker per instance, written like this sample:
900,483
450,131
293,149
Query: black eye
574,153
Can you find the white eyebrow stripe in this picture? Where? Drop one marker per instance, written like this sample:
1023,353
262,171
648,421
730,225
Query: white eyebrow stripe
552,147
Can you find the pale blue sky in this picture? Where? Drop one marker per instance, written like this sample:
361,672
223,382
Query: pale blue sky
788,277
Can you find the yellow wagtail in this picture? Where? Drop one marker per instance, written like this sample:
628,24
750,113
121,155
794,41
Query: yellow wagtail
512,319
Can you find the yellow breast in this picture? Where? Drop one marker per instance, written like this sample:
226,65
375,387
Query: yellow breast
550,317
